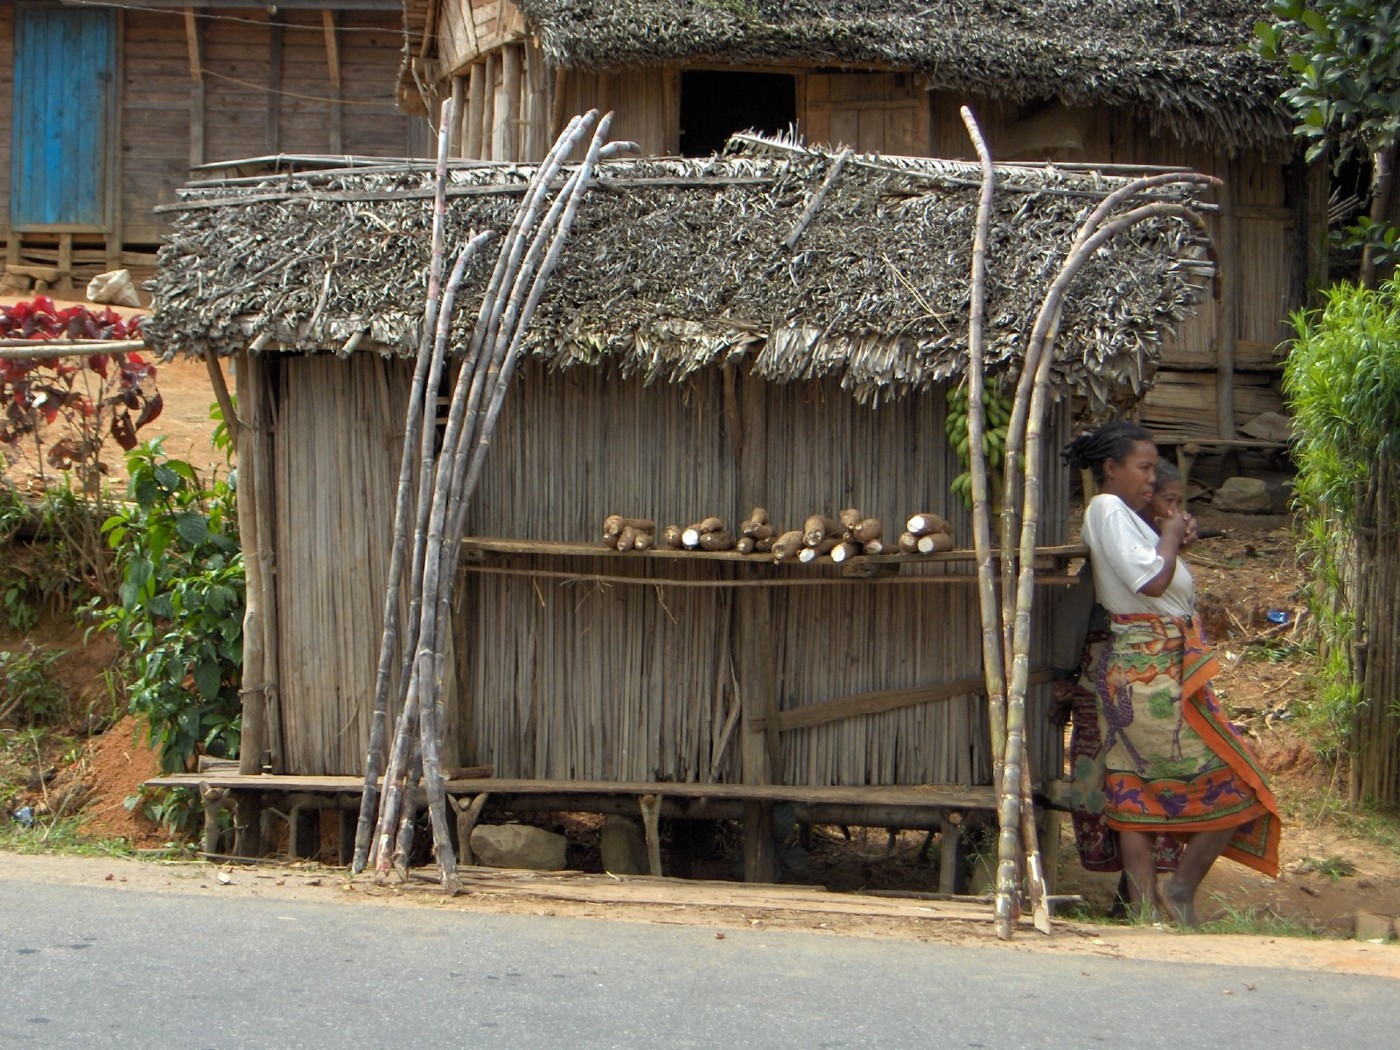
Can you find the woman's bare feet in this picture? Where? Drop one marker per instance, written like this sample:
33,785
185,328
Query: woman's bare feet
1180,902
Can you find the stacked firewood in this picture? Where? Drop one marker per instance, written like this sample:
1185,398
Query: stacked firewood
926,533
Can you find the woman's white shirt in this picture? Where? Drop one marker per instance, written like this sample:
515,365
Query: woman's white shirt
1123,553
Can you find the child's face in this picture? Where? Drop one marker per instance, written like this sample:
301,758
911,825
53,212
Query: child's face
1166,499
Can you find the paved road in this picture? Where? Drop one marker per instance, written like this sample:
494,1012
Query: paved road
90,968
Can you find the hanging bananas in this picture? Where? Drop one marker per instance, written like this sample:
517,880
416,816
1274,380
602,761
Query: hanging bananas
996,416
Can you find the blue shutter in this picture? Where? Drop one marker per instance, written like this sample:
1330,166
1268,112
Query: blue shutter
65,79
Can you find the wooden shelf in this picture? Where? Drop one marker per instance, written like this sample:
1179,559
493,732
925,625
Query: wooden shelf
482,546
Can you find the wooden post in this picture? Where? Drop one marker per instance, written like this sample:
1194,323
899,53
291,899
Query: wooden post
304,827
1227,245
467,815
253,741
950,852
651,820
489,105
454,132
248,824
335,133
476,110
259,417
508,105
347,819
274,85
194,41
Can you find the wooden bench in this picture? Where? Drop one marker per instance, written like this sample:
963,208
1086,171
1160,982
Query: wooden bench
943,808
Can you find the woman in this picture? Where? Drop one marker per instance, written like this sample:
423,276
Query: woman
1080,633
1172,762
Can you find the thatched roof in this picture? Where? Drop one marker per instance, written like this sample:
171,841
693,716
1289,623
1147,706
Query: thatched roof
1183,65
679,264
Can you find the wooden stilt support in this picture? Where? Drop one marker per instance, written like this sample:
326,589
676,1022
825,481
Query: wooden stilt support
304,827
467,815
950,851
651,820
248,817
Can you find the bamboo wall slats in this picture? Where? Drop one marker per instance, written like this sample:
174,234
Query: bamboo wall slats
336,468
585,680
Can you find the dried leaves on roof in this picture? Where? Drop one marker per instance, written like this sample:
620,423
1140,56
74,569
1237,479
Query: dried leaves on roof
680,264
1184,65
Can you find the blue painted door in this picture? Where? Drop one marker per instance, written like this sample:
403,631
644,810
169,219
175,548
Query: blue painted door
65,79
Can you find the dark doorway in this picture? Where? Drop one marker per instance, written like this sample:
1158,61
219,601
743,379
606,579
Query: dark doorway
714,105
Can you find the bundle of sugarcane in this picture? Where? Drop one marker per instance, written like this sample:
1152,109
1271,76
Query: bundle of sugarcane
628,534
447,475
926,533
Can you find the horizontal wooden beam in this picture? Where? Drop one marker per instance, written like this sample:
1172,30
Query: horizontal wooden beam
284,5
881,701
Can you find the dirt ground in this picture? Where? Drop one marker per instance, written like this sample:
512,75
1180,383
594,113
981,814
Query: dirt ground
1329,877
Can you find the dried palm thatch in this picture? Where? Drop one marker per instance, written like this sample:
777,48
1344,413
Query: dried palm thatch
680,264
1183,66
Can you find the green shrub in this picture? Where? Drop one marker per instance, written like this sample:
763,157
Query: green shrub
29,692
179,608
1342,383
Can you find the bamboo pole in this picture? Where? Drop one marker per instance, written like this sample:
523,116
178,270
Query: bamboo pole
1005,761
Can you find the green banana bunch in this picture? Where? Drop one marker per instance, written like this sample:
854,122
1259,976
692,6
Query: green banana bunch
996,417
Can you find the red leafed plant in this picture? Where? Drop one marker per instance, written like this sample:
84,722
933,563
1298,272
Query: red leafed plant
65,409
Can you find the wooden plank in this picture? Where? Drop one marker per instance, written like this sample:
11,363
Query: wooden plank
881,700
274,86
937,796
1227,244
335,131
194,35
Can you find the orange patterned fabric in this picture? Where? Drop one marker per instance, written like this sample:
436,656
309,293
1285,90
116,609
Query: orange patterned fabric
1172,760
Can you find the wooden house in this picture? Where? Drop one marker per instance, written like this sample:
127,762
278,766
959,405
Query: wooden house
692,357
106,108
1132,82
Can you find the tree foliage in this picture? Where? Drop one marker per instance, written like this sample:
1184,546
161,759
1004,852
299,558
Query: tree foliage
1345,64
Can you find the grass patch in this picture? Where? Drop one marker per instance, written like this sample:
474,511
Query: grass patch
1254,921
59,836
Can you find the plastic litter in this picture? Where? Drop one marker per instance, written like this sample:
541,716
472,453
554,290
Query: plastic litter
1276,616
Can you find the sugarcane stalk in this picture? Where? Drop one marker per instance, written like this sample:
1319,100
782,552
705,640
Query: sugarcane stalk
422,393
1003,762
394,777
505,331
1033,410
389,639
403,839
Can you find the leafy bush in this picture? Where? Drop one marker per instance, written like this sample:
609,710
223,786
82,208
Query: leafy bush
179,608
29,692
1342,382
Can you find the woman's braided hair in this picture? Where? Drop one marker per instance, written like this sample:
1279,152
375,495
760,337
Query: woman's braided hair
1111,441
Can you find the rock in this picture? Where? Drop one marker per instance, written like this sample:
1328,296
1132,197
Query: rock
1243,496
518,846
1372,927
623,847
1269,426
